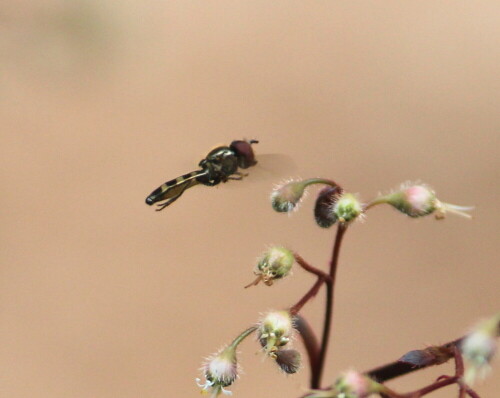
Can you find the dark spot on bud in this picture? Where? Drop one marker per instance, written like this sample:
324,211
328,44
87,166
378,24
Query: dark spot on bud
417,358
288,360
426,357
323,210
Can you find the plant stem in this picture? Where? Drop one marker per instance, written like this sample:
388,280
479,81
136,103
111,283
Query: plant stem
431,387
310,341
330,284
309,268
400,367
310,294
243,336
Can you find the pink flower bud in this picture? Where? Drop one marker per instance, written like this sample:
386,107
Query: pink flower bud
418,200
414,201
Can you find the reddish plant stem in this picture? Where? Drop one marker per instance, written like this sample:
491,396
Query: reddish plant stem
309,339
471,392
401,368
309,268
459,371
431,387
309,295
420,359
330,284
443,353
459,362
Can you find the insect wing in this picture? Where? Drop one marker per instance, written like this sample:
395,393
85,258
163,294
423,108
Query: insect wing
173,189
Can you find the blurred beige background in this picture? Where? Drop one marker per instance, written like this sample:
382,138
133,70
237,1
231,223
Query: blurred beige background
102,101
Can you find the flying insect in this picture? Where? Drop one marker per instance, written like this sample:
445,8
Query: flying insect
220,165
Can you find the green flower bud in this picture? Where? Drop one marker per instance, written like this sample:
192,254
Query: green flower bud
347,208
276,263
286,197
274,331
479,347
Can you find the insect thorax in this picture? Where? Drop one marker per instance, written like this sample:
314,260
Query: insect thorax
220,163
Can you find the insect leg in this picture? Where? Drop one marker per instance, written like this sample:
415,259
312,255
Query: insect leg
239,176
212,183
171,200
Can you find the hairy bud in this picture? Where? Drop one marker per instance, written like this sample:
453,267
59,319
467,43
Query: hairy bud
285,198
274,331
288,360
350,385
479,347
347,208
220,371
325,203
276,263
418,200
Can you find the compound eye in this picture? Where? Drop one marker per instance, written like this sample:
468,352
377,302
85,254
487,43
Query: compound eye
243,149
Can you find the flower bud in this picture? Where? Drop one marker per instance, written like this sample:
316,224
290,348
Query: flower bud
274,331
276,263
479,347
347,208
419,200
350,385
356,385
288,360
414,201
325,203
220,371
286,197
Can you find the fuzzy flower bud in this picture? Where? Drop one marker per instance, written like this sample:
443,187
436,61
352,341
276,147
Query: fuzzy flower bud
350,385
274,331
325,202
414,201
286,197
220,371
276,263
347,208
288,360
356,385
479,347
419,200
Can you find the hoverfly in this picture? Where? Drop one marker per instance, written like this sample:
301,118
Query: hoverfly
220,165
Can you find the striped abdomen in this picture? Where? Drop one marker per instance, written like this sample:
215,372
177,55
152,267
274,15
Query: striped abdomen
174,188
